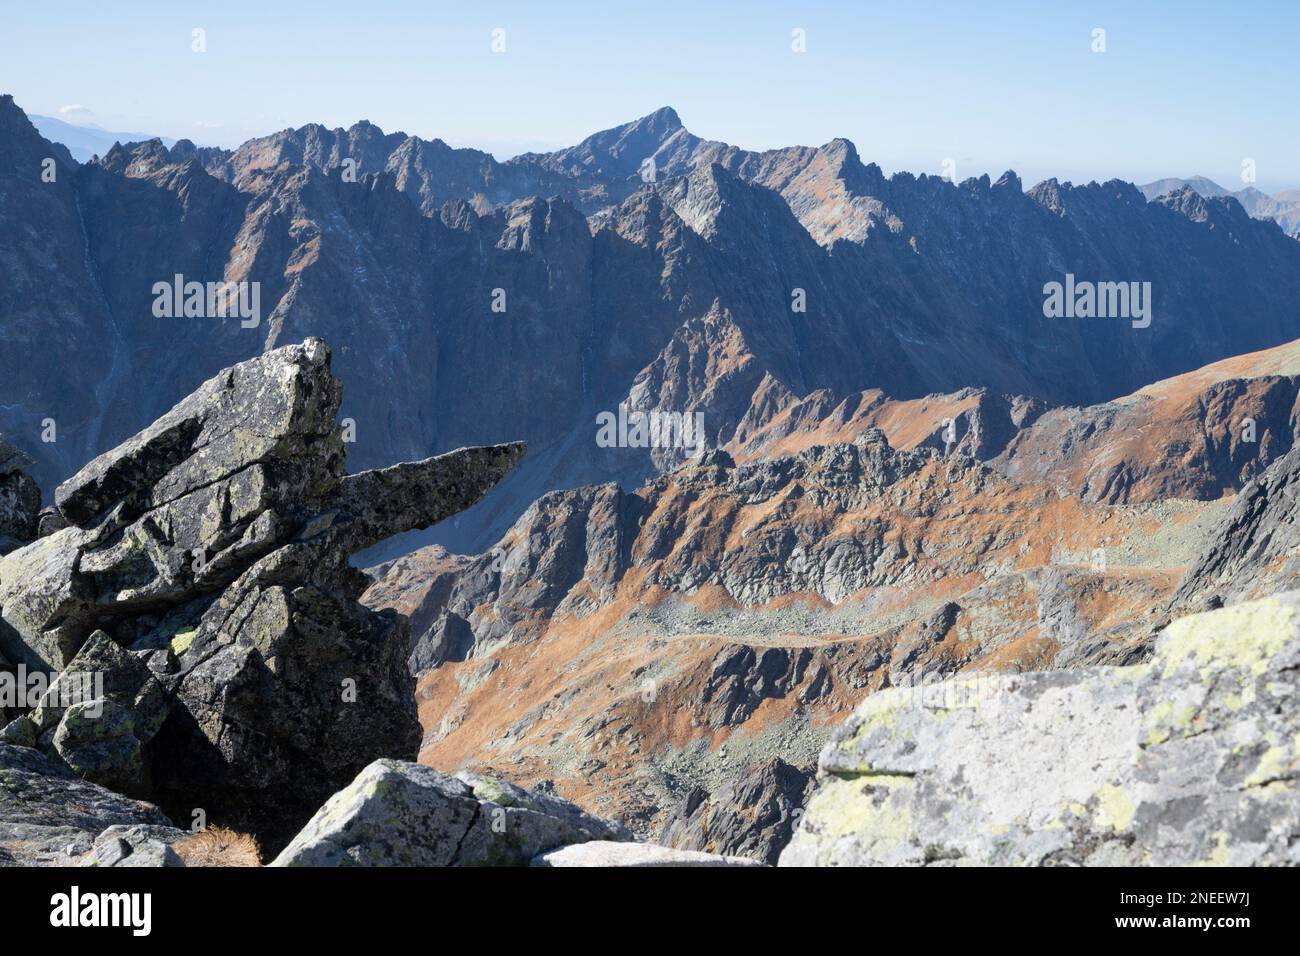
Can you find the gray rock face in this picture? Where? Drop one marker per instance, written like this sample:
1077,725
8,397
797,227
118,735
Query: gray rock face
180,509
601,853
20,499
406,814
101,714
986,427
203,576
753,816
49,816
277,411
742,677
1191,758
1255,549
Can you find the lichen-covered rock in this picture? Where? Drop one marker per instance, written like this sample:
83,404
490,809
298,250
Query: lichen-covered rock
603,853
21,732
179,510
48,816
45,615
277,409
100,715
1193,758
752,816
304,692
405,814
202,567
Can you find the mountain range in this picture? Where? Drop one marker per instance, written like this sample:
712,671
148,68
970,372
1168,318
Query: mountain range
910,470
797,270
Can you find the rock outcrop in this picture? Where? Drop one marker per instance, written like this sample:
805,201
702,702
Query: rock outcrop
20,499
203,581
139,845
100,716
1202,435
406,814
753,816
1254,550
1192,758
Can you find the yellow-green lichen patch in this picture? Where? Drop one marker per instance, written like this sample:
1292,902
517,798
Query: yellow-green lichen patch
871,810
879,711
1234,702
181,640
1115,808
491,790
1244,638
1164,719
1275,762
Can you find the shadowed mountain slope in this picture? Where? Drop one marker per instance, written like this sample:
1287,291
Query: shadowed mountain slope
470,309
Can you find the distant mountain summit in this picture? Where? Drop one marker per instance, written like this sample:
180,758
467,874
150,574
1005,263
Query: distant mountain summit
1283,208
616,153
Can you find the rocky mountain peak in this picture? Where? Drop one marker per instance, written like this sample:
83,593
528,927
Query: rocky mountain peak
1009,181
616,153
1049,194
12,118
1187,202
139,160
664,118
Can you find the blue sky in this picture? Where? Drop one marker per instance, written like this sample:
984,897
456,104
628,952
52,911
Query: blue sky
1183,88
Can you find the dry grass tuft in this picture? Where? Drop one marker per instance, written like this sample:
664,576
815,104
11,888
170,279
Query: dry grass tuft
217,846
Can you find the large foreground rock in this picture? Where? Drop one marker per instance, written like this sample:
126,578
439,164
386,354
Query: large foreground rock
202,571
1193,758
48,816
406,814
